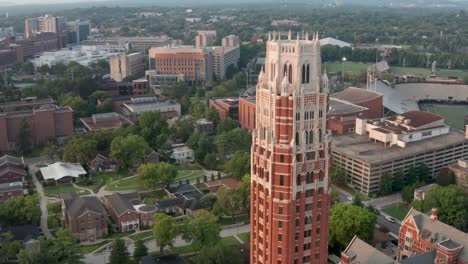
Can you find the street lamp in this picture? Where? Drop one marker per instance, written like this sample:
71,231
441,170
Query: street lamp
342,70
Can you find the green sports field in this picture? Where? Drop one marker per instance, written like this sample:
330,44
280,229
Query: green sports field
453,114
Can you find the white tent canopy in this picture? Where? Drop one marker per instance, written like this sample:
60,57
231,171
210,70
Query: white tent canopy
61,170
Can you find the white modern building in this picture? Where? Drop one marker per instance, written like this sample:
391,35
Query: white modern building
62,172
182,154
222,58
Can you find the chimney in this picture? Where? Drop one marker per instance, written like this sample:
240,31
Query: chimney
433,214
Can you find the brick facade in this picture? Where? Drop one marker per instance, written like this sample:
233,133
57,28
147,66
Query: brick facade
247,113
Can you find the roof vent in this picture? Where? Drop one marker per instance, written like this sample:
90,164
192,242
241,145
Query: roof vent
407,121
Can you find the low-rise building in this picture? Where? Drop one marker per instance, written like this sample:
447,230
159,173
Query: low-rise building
62,172
247,112
204,126
85,217
104,121
146,214
358,251
182,154
140,87
102,163
421,192
12,169
396,144
140,44
11,189
460,170
215,185
116,88
184,199
226,107
122,211
26,234
156,80
138,105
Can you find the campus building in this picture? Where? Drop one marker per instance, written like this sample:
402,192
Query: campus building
291,156
247,112
138,105
140,44
230,41
396,144
123,66
45,122
46,23
226,107
460,171
194,63
223,58
78,31
205,38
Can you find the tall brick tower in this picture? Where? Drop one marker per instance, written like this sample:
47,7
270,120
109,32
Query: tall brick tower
291,156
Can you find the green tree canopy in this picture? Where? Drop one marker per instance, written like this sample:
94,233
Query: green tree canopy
119,253
201,229
445,177
347,220
451,202
153,128
65,248
156,174
386,184
128,150
239,165
165,230
219,254
38,253
80,107
9,247
80,150
140,250
20,210
228,202
24,137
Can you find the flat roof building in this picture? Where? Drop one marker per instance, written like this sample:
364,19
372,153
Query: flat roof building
226,107
123,66
139,105
104,121
395,144
460,170
223,58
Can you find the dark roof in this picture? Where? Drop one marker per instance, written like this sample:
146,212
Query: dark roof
11,186
193,204
147,208
77,205
419,118
182,189
22,232
13,169
131,196
10,159
119,203
158,259
356,95
163,204
426,257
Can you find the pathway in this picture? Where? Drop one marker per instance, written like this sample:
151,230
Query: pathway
83,188
43,203
102,258
103,192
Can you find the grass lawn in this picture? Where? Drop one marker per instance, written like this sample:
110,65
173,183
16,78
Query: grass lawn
411,70
237,219
119,234
228,241
453,114
99,179
133,183
59,189
453,73
141,235
398,211
189,166
245,237
352,67
187,174
90,248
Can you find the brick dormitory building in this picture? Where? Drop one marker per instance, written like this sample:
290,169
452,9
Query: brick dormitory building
45,120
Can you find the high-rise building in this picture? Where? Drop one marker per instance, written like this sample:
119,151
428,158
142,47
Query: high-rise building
78,31
205,38
230,41
123,66
45,23
291,156
223,58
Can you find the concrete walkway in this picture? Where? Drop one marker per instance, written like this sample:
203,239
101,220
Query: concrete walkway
83,188
42,203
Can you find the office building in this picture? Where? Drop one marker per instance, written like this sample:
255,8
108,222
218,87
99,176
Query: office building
140,44
194,63
223,58
396,144
291,156
205,38
78,31
138,105
230,41
247,112
123,66
46,23
226,107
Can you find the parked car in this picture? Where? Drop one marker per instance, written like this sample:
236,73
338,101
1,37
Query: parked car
390,219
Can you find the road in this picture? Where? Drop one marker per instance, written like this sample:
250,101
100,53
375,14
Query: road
392,227
42,203
103,258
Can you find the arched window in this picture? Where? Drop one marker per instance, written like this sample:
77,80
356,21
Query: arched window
308,74
311,114
290,74
297,138
309,177
303,74
285,70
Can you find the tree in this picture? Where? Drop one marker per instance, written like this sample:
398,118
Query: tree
232,141
407,193
334,197
157,174
451,202
80,107
38,253
202,229
244,192
119,253
228,201
210,161
201,144
209,199
165,230
128,150
347,220
183,128
239,165
153,128
24,137
357,200
219,254
226,125
411,176
80,149
386,184
445,177
51,151
9,247
423,173
65,248
20,210
337,176
140,250
398,181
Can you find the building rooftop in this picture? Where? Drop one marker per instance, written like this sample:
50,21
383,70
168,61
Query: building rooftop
342,107
25,102
7,159
11,186
22,233
77,205
361,252
356,95
250,99
460,165
334,42
119,203
418,118
60,170
437,232
360,147
104,121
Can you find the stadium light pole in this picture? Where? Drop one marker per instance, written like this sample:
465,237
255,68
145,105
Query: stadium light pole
342,70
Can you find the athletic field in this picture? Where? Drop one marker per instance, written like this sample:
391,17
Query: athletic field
454,114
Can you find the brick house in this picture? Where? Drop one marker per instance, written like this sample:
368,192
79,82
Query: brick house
10,190
85,217
146,214
122,211
101,162
12,169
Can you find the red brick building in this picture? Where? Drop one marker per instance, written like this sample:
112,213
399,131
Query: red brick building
421,234
45,123
140,87
371,100
291,156
12,169
122,211
10,190
247,112
46,41
226,107
85,217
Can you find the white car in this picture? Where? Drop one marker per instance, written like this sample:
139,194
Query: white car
350,198
390,219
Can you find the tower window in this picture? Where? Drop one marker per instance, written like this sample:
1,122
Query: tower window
308,74
281,181
290,74
303,80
